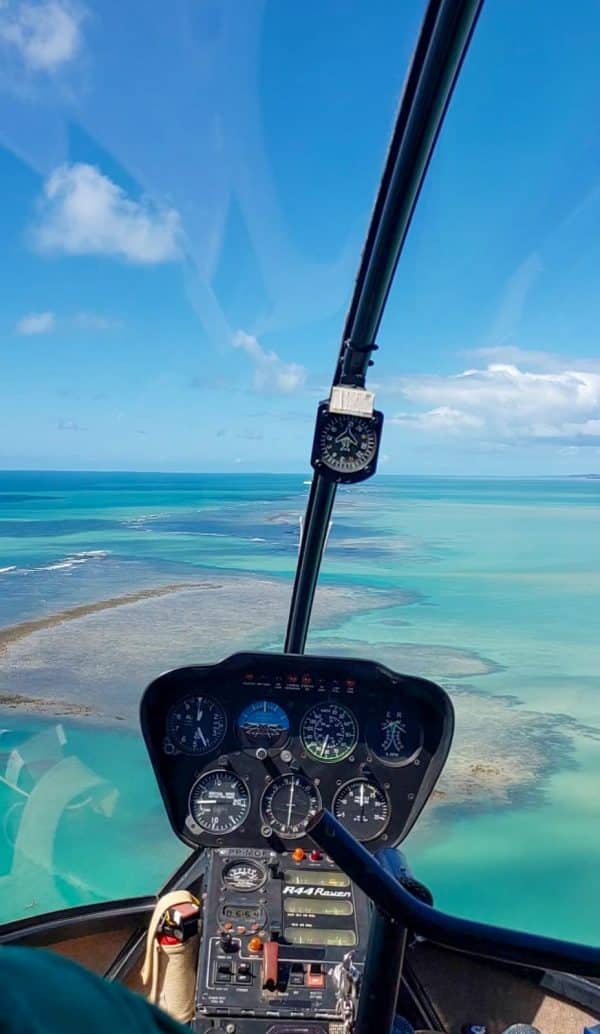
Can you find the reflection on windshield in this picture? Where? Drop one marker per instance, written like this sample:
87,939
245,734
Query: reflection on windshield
59,814
41,785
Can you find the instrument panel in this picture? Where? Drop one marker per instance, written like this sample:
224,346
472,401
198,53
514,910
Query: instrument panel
247,751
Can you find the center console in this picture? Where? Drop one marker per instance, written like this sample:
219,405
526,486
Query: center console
275,928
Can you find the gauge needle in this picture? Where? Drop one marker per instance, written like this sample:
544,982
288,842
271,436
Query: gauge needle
199,732
361,800
290,802
324,747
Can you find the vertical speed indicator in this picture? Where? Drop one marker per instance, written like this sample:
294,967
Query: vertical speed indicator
363,808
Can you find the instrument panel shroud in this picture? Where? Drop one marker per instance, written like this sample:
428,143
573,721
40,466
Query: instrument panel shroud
404,730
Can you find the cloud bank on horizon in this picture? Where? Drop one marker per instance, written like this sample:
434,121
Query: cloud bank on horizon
508,404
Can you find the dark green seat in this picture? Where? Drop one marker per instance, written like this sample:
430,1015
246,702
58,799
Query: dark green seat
41,993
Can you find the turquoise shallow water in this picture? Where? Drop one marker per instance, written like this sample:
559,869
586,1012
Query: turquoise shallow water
490,586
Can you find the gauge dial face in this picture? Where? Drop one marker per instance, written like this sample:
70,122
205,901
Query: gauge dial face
362,808
219,802
395,736
288,804
263,723
196,725
347,443
329,732
244,874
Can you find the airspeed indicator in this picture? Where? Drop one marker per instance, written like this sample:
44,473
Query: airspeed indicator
329,732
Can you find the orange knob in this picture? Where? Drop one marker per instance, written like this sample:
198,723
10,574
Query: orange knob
255,945
298,854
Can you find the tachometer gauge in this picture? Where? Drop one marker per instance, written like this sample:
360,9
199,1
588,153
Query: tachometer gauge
329,732
288,804
219,801
244,874
395,736
263,723
196,725
362,808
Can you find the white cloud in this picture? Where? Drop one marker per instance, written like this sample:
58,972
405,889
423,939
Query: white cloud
504,403
92,321
85,213
532,359
36,323
44,35
45,322
444,418
271,373
69,425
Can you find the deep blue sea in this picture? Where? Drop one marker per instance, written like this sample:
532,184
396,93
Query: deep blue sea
491,587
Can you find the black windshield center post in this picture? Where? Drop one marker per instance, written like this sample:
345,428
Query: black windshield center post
441,47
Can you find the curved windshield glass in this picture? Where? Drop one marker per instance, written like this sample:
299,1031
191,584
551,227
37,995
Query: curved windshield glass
489,376
186,191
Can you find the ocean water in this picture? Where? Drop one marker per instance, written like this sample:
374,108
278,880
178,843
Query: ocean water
491,587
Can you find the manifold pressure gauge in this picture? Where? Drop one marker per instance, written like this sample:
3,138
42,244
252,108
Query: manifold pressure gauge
345,446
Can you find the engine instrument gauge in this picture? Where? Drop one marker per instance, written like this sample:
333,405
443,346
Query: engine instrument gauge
196,724
329,732
219,801
288,804
263,723
244,874
363,808
395,736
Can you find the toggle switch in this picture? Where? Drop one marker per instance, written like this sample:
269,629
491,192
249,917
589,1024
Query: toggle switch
315,977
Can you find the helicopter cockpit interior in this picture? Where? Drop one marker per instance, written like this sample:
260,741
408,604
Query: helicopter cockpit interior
294,779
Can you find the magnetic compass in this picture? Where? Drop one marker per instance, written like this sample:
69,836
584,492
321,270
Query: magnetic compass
345,447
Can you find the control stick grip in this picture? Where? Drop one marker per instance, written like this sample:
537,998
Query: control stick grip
270,965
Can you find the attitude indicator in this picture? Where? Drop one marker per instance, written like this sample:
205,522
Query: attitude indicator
263,723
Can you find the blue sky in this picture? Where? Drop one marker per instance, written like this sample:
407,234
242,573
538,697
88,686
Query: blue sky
185,191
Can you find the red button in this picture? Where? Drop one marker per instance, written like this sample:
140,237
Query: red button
315,856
